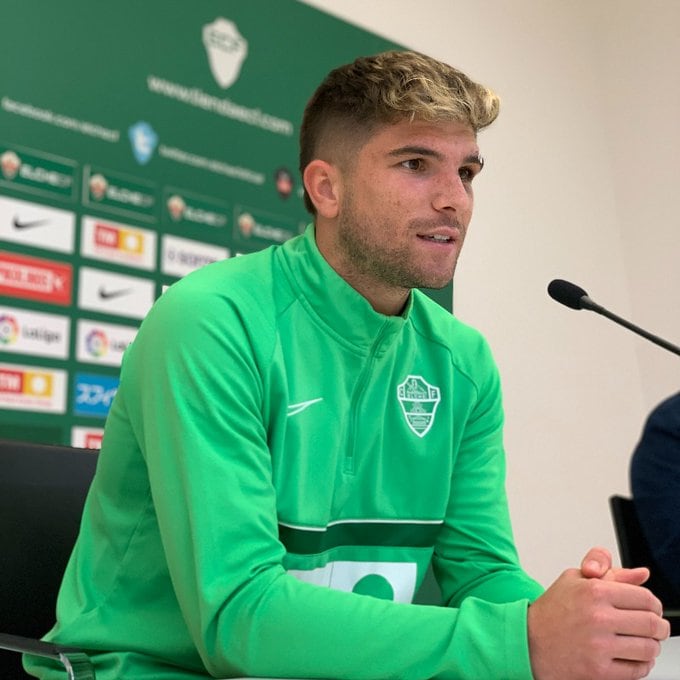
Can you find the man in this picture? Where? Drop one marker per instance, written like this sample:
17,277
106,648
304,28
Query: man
299,433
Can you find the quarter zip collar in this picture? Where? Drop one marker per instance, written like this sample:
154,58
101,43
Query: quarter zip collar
329,298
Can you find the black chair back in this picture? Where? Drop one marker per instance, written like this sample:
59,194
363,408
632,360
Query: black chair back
635,552
42,492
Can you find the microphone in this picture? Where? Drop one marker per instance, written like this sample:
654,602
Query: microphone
573,296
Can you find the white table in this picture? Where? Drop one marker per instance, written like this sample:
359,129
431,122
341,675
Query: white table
667,665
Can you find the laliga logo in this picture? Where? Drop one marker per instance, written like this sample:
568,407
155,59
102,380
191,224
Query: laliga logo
176,207
97,343
10,164
226,49
9,330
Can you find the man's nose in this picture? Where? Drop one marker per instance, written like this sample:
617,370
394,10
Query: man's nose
452,194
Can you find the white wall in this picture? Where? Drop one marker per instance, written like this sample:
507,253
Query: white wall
579,184
640,53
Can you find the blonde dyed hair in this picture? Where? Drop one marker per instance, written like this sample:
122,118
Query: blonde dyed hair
356,99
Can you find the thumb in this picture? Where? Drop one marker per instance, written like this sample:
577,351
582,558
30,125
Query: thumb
596,563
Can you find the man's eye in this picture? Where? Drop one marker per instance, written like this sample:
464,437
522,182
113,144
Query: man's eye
413,164
467,174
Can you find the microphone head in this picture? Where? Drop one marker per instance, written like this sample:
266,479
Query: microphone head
567,293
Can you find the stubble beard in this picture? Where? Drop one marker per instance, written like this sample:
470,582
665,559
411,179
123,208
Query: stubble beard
383,263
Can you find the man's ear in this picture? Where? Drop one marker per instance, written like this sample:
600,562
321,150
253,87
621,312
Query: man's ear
322,181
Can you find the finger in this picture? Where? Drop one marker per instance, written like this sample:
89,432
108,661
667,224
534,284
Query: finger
644,650
636,576
596,563
631,670
641,624
627,596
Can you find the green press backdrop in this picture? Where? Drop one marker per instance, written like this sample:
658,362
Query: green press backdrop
138,141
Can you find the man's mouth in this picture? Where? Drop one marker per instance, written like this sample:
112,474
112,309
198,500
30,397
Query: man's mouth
437,238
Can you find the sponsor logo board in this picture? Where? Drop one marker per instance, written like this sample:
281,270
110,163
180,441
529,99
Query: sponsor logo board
93,394
119,294
120,243
37,172
102,343
32,388
87,437
188,209
181,256
119,193
34,278
34,333
260,229
36,225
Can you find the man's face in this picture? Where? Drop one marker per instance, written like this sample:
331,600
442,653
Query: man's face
405,205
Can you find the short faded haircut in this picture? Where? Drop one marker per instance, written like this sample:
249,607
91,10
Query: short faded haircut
357,98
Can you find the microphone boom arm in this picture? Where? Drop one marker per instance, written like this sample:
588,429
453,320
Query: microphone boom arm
587,303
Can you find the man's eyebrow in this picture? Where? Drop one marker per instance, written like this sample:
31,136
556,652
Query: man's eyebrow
414,150
475,158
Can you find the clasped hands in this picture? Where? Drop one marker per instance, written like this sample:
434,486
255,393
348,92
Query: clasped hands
596,623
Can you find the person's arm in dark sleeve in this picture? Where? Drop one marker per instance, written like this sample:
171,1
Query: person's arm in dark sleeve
655,482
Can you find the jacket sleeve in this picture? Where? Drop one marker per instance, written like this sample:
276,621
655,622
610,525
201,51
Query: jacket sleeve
475,555
655,483
195,393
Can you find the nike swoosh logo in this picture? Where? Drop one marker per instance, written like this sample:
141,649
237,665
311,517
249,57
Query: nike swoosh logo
18,224
294,409
105,294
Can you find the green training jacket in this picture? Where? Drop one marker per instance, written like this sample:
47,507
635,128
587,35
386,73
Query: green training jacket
279,467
